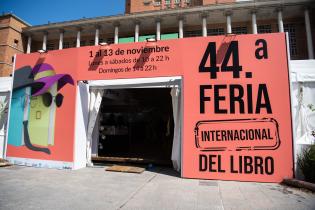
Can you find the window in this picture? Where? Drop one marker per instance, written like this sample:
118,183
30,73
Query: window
82,43
215,31
167,2
110,40
157,2
66,45
92,42
50,46
177,1
239,30
263,29
16,42
12,59
192,33
290,28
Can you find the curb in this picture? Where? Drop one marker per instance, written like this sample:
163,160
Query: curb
299,184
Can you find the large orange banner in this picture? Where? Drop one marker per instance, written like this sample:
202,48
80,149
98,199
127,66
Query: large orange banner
237,118
236,101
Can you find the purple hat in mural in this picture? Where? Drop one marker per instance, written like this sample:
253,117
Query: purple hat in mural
45,77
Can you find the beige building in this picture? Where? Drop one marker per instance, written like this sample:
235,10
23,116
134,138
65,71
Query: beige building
183,18
11,41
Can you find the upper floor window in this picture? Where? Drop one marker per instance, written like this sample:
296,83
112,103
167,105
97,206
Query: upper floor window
157,2
16,42
290,28
167,2
82,43
239,30
66,45
215,31
263,29
50,46
192,33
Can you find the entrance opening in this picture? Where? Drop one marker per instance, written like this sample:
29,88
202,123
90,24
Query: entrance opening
136,124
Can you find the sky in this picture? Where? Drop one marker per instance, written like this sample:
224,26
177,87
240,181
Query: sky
38,12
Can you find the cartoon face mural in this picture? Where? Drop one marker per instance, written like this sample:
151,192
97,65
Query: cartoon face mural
35,99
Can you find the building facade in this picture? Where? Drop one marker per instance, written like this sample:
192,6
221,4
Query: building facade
143,19
11,41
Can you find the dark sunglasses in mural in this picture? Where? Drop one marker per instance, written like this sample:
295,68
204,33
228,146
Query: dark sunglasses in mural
48,99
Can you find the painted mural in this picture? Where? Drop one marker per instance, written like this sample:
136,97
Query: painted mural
35,100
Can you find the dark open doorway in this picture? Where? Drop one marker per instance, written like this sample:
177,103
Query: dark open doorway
136,124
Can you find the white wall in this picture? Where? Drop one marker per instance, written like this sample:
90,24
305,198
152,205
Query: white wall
302,77
81,120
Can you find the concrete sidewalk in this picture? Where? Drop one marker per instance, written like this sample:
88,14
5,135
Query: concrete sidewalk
94,188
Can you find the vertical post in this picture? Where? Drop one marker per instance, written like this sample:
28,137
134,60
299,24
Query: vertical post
29,43
254,22
204,26
61,39
181,27
78,37
172,3
116,33
228,23
97,34
280,21
137,31
158,29
45,41
310,48
182,3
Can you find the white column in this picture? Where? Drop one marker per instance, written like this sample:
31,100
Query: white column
44,41
78,38
204,26
29,43
137,32
181,28
310,48
280,21
158,30
61,39
97,34
116,34
228,24
254,23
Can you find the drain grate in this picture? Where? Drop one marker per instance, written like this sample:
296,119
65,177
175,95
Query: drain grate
208,183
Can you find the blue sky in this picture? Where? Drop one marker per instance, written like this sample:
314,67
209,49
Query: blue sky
37,12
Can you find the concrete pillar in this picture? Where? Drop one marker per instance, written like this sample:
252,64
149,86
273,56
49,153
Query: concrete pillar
116,34
228,15
97,34
310,48
78,37
158,29
29,43
61,33
162,4
45,41
254,22
181,28
228,23
172,3
280,21
137,31
182,3
204,26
